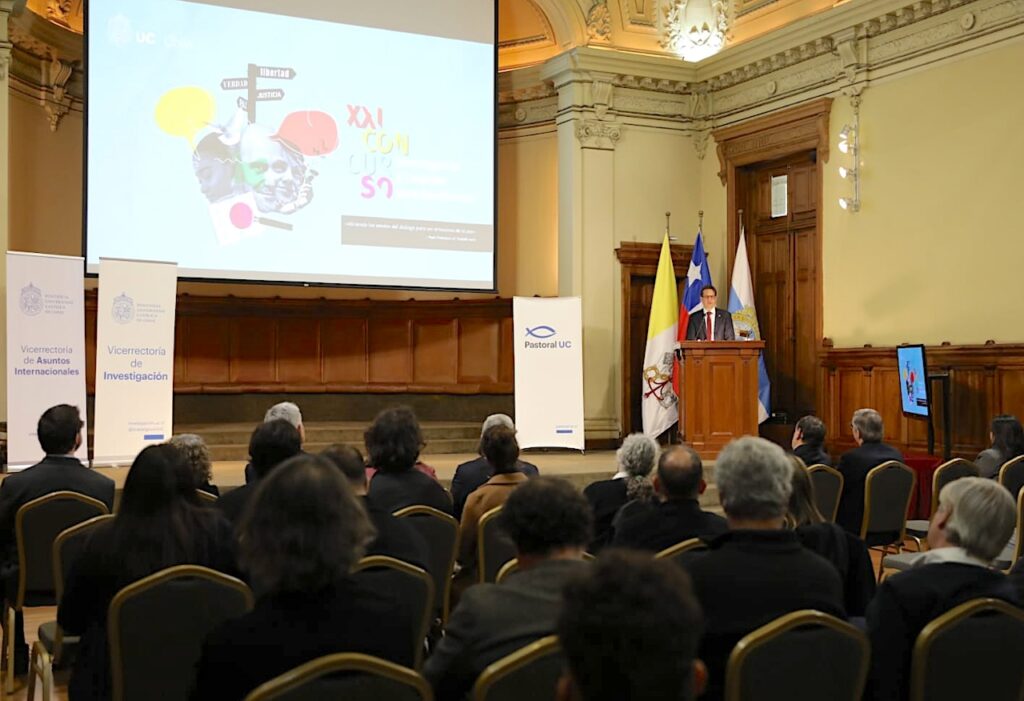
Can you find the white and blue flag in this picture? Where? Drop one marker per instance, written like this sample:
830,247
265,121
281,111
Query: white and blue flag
744,320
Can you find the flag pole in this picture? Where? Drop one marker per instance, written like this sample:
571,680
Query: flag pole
668,228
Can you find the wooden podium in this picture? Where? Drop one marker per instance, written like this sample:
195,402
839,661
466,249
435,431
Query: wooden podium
719,388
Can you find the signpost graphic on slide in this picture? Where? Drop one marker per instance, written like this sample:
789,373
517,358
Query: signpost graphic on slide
255,94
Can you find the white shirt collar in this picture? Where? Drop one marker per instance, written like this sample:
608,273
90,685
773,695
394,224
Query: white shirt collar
951,554
620,475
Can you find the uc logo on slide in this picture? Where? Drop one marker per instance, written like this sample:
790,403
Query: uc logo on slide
541,332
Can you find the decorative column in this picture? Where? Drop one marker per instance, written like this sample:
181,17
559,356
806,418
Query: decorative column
586,242
6,8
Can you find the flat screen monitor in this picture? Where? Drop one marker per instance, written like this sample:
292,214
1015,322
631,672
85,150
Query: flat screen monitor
913,380
305,142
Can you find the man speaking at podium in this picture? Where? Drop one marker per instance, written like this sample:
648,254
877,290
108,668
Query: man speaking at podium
701,323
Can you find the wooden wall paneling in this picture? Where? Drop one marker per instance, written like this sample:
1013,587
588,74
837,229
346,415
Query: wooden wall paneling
345,353
206,350
1009,383
435,352
180,334
973,390
299,358
390,350
506,369
887,402
253,345
479,345
90,347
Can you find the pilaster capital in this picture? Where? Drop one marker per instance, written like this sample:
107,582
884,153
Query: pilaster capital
597,134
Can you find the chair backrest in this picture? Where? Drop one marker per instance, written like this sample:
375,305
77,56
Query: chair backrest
494,547
828,486
37,525
802,656
674,552
410,583
68,546
887,492
348,675
205,498
528,673
507,569
973,647
1018,547
441,533
1011,475
156,628
947,472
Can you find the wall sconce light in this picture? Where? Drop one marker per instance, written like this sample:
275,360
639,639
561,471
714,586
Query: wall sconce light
849,144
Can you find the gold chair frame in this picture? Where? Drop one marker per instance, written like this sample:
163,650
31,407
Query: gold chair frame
1007,466
507,569
11,608
927,636
41,660
340,662
391,563
936,488
206,498
489,515
781,626
144,584
887,465
512,662
818,467
422,510
681,547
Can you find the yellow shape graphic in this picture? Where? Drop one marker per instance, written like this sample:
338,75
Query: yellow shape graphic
184,111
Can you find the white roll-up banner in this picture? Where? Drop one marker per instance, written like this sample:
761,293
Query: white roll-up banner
549,372
45,348
134,358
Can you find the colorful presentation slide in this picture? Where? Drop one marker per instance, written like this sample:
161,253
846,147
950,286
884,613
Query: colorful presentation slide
250,145
913,379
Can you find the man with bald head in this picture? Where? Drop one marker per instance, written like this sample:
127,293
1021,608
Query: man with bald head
471,475
679,483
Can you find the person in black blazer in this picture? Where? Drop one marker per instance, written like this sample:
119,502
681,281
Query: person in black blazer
679,482
59,431
721,320
470,475
271,443
300,539
197,454
393,443
809,441
857,463
757,571
969,529
636,458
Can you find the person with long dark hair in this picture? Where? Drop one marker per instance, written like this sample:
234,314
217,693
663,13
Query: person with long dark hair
393,444
1007,438
157,526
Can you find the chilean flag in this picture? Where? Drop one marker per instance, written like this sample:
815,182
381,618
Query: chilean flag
697,277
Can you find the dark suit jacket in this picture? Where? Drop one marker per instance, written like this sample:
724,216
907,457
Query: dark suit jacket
812,455
855,466
54,474
494,620
232,504
285,630
906,603
606,497
663,525
472,474
395,538
392,491
750,578
696,327
850,557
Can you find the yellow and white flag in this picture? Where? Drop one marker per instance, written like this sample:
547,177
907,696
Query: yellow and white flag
660,403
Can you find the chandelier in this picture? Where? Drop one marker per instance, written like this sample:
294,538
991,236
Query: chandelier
695,29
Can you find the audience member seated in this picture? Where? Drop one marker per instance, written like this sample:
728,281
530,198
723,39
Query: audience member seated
809,441
857,463
395,537
289,411
393,443
757,571
969,529
629,629
550,524
636,458
470,475
300,538
679,483
844,550
197,455
271,443
1007,438
59,431
501,450
156,526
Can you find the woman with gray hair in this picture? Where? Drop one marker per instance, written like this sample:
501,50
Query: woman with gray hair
197,455
636,458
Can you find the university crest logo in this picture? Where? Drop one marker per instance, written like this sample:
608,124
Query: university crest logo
31,300
123,309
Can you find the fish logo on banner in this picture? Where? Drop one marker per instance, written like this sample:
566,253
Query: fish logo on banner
123,309
31,300
541,332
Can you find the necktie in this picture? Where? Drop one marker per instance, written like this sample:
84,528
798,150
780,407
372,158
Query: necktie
711,333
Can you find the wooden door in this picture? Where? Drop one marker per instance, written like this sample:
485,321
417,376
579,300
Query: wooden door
783,253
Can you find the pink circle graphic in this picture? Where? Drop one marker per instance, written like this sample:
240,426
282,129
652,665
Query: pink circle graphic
241,215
